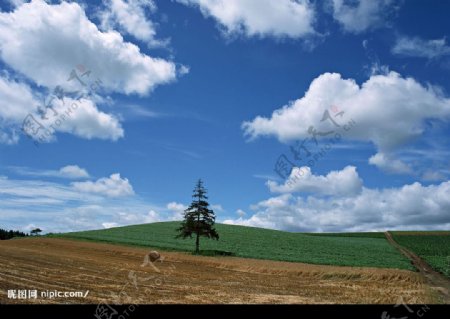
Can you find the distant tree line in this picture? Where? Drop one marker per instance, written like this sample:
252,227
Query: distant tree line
8,234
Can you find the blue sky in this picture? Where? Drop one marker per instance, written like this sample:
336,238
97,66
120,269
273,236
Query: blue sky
219,90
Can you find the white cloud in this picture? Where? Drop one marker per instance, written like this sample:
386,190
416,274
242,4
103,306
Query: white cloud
184,70
135,111
16,3
113,186
85,120
127,218
109,225
81,118
176,207
433,176
177,210
45,42
241,213
119,217
132,218
263,18
57,207
8,136
409,207
336,183
389,164
361,15
39,192
417,47
130,16
73,171
69,171
217,208
16,100
374,106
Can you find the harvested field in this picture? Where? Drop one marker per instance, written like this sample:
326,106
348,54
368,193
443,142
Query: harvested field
109,271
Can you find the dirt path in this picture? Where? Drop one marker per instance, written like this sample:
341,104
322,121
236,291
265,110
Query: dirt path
435,280
111,272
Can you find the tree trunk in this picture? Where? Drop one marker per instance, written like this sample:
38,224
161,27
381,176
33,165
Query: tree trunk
197,244
197,240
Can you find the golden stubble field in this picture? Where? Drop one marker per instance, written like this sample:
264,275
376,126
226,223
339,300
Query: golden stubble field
118,274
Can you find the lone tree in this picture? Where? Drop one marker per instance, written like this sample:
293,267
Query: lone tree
35,232
198,218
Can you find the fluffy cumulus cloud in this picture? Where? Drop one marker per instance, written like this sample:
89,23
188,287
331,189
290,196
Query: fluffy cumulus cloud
409,207
130,16
336,183
16,101
44,42
84,119
113,186
78,117
388,110
361,15
418,47
281,18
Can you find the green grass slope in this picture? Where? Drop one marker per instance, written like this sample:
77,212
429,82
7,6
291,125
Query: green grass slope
363,235
261,244
433,247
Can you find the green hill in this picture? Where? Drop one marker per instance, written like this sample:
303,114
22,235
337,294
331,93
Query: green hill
431,246
260,243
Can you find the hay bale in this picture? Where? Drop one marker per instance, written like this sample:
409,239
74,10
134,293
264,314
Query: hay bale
154,256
